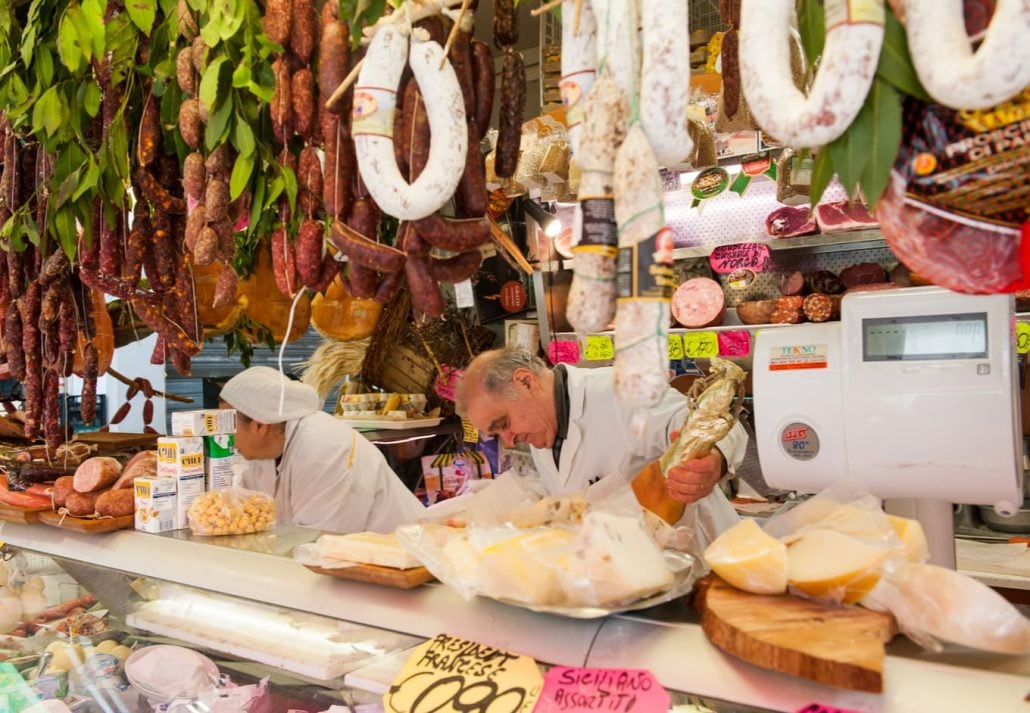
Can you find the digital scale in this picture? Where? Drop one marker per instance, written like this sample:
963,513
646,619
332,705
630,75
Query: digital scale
914,392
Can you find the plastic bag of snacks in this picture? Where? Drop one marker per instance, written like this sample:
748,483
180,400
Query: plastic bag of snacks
236,511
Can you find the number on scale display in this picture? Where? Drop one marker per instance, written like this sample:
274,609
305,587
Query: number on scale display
937,337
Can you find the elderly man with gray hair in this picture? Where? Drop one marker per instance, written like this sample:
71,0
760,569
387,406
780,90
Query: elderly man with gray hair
578,433
322,473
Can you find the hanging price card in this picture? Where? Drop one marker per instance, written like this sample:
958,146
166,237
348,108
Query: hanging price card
701,345
576,690
734,344
599,347
446,381
563,351
469,433
1022,337
675,347
726,259
447,673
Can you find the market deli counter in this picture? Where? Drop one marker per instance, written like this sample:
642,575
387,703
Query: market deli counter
245,599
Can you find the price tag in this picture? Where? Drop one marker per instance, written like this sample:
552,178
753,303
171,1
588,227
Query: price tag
726,259
599,347
573,690
463,295
446,382
1022,337
734,344
563,351
701,345
820,708
469,433
675,347
445,673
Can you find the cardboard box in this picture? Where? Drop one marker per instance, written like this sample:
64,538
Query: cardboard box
180,456
156,502
210,422
190,486
219,457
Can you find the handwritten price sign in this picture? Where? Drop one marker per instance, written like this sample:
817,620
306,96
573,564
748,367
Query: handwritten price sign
740,256
701,345
599,347
734,344
563,351
1022,337
675,347
576,690
451,674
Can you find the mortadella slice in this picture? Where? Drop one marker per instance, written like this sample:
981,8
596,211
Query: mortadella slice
699,303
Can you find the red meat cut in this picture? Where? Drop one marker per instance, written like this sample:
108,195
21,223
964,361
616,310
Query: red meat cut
843,215
790,221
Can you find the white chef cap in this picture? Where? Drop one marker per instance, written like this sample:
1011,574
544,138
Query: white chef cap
263,394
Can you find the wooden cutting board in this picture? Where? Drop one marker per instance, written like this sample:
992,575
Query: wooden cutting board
117,442
26,516
87,525
838,646
374,574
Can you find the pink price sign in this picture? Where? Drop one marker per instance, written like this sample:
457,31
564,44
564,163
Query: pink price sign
820,708
563,351
446,382
740,256
734,344
573,690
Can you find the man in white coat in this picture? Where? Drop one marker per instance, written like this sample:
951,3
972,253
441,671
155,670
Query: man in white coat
578,434
322,473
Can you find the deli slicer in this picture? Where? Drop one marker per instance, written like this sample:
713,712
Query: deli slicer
914,392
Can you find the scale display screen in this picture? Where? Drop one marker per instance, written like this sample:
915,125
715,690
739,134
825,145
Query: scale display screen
936,337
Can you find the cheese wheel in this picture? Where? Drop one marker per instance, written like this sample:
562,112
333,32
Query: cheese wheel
912,538
699,302
749,559
824,564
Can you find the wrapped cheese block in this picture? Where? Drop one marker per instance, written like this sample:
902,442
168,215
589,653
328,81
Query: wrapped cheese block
749,559
824,564
367,548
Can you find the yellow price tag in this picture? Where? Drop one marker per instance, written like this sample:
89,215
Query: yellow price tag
1022,337
470,434
675,347
600,347
446,672
701,345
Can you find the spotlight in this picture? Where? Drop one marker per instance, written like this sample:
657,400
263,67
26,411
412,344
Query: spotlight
548,222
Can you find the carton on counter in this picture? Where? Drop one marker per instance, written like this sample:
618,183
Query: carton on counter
219,456
156,502
209,422
190,486
180,456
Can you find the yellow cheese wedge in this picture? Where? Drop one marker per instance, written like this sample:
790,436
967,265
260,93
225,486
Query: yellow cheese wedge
824,564
527,567
749,559
869,524
912,537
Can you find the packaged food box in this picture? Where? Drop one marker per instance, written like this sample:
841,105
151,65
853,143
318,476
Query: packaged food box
190,487
219,456
180,456
209,422
156,501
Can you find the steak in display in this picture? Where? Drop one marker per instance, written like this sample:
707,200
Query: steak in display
843,215
790,221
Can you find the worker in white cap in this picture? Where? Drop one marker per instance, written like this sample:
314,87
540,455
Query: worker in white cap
322,473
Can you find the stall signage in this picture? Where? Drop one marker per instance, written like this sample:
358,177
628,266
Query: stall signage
563,351
727,259
446,381
701,345
451,674
675,347
734,344
599,347
1022,337
572,690
469,433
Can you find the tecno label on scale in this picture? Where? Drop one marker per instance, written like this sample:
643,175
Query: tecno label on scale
800,356
799,441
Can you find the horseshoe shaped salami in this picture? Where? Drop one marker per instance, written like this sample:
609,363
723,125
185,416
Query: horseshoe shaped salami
665,81
375,102
952,73
853,41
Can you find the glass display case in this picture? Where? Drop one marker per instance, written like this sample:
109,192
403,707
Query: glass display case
256,614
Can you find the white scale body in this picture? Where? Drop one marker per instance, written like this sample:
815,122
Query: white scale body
914,392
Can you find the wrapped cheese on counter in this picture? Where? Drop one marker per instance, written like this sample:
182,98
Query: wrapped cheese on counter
366,548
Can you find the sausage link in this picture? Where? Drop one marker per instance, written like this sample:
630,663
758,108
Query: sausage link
284,262
359,249
309,252
425,292
506,23
513,104
363,281
455,235
483,79
302,96
309,181
364,218
13,336
88,400
303,29
330,269
461,59
471,195
51,409
282,102
457,268
333,59
388,287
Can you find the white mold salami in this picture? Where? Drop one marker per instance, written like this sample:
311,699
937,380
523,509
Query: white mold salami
645,279
665,80
854,36
591,304
578,64
375,99
618,42
950,71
